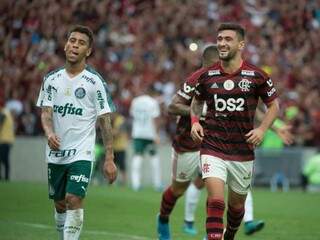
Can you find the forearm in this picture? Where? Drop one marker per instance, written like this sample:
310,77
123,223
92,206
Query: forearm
270,115
196,108
46,121
179,109
106,133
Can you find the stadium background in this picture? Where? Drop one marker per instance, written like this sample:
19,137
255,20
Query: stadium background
143,43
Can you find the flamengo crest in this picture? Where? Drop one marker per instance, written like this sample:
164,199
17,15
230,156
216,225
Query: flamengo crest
244,85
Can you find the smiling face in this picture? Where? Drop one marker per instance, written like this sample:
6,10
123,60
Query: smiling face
229,44
77,47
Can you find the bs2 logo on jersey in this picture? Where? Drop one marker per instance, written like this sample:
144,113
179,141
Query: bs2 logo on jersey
231,104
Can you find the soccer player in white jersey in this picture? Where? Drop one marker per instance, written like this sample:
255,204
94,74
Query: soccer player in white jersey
145,111
72,99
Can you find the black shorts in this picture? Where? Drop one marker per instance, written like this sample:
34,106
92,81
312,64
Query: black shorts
120,159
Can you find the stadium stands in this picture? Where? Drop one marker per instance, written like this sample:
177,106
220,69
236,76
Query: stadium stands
139,43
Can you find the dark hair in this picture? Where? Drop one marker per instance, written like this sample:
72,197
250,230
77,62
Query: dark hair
209,55
233,26
209,51
82,29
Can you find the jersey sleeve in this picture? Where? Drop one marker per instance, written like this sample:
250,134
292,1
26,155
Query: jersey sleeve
187,89
156,109
267,90
102,99
46,94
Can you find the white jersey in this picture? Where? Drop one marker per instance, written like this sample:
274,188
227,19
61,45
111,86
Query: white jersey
144,109
76,104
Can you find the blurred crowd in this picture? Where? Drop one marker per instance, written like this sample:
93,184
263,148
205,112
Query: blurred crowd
158,42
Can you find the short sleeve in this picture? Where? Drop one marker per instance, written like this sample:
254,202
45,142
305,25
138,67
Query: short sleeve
187,90
267,90
103,100
156,109
46,94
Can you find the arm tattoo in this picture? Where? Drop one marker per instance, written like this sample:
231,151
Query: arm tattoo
46,120
196,107
178,107
106,132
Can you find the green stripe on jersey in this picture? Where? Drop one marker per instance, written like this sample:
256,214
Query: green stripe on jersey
49,74
109,99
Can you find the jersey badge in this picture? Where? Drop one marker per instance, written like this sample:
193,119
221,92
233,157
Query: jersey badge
228,85
80,92
67,92
244,85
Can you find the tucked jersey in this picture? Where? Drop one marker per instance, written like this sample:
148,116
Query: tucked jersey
144,109
232,100
76,103
182,141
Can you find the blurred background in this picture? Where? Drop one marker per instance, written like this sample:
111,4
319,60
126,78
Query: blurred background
142,43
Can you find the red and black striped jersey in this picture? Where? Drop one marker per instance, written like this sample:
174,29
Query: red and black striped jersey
232,100
182,141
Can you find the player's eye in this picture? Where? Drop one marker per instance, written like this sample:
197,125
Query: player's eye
82,42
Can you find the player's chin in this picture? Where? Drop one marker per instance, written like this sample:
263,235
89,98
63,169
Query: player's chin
224,56
72,58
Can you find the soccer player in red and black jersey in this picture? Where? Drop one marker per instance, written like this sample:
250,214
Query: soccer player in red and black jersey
185,153
231,88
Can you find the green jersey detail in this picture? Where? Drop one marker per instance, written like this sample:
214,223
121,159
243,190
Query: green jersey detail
68,108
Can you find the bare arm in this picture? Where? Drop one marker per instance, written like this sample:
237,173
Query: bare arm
279,127
106,133
179,106
256,135
195,112
47,124
109,167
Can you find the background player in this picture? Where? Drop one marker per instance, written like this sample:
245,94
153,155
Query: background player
72,99
145,112
231,89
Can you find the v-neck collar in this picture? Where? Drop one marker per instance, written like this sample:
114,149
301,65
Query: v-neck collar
233,73
75,77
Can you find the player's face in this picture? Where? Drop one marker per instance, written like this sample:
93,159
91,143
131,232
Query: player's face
228,44
77,47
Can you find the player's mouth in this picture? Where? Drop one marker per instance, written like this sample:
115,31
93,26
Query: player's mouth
73,53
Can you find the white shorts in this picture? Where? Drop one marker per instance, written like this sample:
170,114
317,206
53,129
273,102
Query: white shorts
237,175
185,166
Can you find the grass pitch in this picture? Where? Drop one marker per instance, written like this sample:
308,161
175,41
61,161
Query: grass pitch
116,213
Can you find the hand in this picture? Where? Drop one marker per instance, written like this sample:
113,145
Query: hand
157,140
255,136
54,141
197,133
285,134
110,169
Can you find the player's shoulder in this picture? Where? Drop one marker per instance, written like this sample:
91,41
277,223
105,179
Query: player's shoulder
53,74
91,72
203,73
251,70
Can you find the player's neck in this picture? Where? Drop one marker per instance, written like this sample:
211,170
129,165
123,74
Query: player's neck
232,65
73,69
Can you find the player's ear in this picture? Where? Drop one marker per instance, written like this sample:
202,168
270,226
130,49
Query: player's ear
241,45
89,52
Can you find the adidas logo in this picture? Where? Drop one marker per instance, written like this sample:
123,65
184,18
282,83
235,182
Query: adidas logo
215,85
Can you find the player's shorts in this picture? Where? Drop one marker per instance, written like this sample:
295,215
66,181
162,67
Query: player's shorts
237,175
120,159
185,166
141,146
69,178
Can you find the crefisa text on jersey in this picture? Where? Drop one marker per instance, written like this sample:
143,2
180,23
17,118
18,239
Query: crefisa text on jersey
89,79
